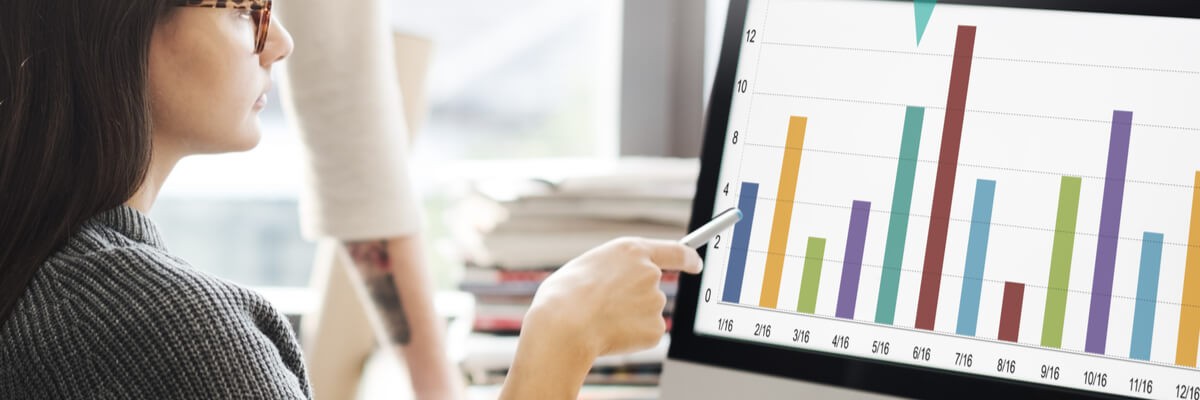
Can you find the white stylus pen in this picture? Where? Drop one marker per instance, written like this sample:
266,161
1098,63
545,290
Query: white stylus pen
722,222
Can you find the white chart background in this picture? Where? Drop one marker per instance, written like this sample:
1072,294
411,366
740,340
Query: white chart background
1043,89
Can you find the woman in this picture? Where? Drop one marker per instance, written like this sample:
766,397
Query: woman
98,101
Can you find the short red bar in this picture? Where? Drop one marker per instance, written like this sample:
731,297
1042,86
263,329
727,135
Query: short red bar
1010,311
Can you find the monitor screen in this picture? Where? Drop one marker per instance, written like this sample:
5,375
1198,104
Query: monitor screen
1007,193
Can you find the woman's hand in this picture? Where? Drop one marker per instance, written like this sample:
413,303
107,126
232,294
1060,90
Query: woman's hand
606,301
609,300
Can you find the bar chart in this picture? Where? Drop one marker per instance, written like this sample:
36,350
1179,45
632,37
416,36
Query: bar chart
965,201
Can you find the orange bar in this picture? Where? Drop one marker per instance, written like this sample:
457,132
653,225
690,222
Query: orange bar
1189,313
782,222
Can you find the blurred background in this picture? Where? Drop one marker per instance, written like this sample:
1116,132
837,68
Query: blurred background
509,80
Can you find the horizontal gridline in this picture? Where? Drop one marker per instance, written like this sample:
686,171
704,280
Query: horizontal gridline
1106,122
986,58
888,212
957,276
978,166
952,335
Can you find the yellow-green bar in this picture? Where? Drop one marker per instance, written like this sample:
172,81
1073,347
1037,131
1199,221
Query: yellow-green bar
814,257
1060,262
782,221
1189,314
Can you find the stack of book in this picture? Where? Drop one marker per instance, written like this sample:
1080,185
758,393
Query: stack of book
502,297
511,234
489,358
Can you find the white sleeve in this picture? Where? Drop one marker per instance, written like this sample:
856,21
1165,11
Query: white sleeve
342,95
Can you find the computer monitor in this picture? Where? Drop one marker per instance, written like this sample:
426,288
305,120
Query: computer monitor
1004,201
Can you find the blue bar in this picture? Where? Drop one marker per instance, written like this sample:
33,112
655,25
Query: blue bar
741,244
981,223
1147,296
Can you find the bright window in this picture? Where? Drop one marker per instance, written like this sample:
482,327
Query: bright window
518,78
509,79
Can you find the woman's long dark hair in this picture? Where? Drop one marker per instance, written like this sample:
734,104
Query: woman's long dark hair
74,122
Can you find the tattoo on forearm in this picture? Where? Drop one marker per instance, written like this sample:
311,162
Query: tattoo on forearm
374,265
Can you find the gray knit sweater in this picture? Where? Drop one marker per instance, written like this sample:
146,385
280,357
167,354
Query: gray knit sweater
113,315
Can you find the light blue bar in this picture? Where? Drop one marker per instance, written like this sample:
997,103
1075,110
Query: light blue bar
981,223
1147,296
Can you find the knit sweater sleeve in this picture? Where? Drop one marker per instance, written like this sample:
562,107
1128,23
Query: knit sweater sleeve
184,334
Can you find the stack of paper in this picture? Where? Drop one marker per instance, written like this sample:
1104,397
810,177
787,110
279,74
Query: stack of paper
540,222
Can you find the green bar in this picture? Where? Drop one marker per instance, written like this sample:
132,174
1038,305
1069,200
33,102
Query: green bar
893,254
814,257
1060,262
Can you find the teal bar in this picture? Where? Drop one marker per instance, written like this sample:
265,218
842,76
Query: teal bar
893,254
977,243
1147,296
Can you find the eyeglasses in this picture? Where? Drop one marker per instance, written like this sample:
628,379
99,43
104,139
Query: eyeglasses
260,12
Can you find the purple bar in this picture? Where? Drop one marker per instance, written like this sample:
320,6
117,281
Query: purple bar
1110,228
852,266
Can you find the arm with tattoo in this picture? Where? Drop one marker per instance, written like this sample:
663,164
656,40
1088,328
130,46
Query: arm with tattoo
396,280
373,264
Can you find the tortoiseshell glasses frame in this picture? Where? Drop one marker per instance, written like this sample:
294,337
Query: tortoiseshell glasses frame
260,12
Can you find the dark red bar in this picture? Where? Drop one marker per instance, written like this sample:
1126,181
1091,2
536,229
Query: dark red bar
1010,311
943,188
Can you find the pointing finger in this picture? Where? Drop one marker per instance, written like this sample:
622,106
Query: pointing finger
672,256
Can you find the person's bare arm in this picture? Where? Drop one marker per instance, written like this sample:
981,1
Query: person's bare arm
550,362
397,281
